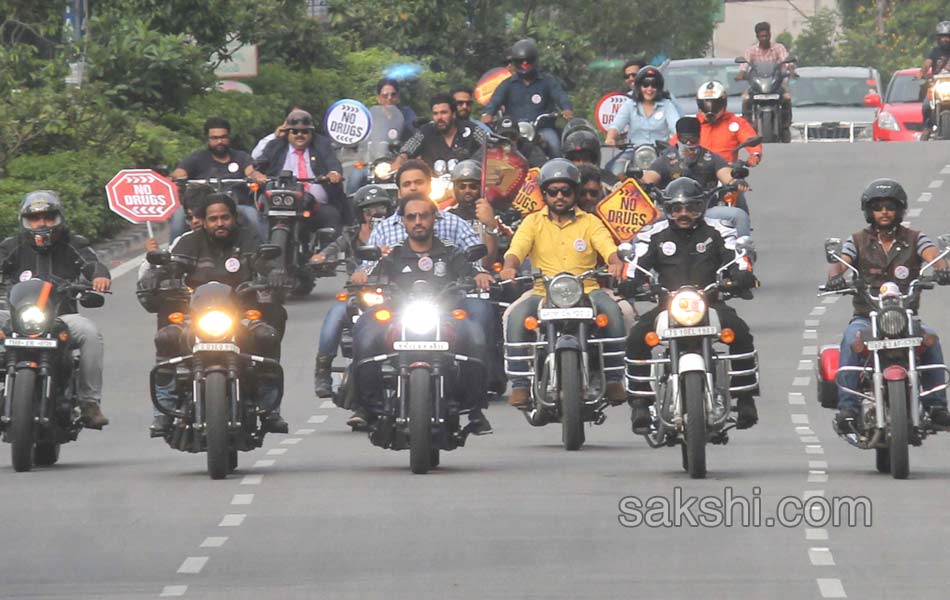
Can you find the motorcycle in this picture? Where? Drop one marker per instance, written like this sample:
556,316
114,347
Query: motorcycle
633,159
288,209
765,92
359,298
415,413
889,390
40,396
215,383
565,362
529,130
373,156
939,98
690,378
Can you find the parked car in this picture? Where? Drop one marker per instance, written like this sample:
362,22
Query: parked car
828,103
898,117
683,78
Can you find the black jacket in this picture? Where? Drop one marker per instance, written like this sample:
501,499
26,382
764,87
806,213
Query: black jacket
225,262
441,265
71,258
684,256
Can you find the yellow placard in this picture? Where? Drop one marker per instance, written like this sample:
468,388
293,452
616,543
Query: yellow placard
529,197
626,210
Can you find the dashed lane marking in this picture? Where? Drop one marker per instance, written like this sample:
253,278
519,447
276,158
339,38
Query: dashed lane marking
817,477
328,404
829,299
810,439
276,451
800,419
914,212
232,520
317,419
804,365
809,350
925,197
193,565
945,170
813,449
816,534
801,381
290,441
173,591
804,430
817,464
812,494
796,398
810,334
819,310
252,480
263,463
935,184
242,499
214,542
831,588
812,322
304,431
821,557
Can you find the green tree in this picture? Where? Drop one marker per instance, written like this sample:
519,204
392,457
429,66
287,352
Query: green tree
817,43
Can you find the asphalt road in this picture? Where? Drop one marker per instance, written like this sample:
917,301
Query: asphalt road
321,513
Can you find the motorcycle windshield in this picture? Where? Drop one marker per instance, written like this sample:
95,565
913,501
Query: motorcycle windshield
388,123
211,295
28,292
764,69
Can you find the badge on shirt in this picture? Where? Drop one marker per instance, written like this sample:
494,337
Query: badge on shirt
466,132
701,248
580,244
233,167
900,272
232,265
425,263
734,126
393,134
536,98
26,275
439,167
668,248
658,115
440,269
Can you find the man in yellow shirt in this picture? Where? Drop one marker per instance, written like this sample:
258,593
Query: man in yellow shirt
561,238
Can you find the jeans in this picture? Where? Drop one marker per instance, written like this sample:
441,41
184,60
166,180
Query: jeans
355,179
930,378
738,217
178,225
332,330
83,335
552,139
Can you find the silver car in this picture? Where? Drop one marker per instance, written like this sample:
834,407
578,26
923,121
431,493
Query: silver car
683,78
828,103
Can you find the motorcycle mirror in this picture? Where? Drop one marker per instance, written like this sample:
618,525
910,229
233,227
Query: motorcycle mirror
269,252
158,257
741,61
634,172
944,241
476,252
832,248
790,59
745,245
370,253
186,262
740,172
625,251
91,300
162,170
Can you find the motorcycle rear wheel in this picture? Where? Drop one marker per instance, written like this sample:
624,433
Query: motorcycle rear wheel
21,426
420,421
572,408
899,429
695,424
216,424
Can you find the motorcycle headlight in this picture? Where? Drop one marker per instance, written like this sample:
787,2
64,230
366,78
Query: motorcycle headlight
565,291
421,317
687,308
438,189
942,88
886,120
763,83
383,170
215,324
32,320
893,322
369,298
644,156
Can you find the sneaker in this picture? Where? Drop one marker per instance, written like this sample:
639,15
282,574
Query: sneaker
92,416
748,415
640,418
520,398
160,425
274,423
847,418
478,424
616,394
939,415
357,419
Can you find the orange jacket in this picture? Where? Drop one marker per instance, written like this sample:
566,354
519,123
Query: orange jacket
727,132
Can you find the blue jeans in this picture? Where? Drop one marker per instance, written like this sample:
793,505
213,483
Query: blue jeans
178,226
928,379
552,139
332,330
355,179
737,216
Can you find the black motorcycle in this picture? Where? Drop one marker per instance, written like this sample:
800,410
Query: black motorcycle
765,92
40,398
214,381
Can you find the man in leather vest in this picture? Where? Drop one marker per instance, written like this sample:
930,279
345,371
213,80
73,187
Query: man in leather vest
886,251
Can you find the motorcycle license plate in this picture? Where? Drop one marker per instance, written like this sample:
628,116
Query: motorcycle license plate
421,346
765,97
689,332
578,312
220,347
27,343
891,344
281,213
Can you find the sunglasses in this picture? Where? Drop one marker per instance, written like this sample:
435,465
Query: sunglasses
463,102
649,83
390,95
303,121
467,185
300,131
590,193
560,191
882,206
693,206
629,75
411,217
689,140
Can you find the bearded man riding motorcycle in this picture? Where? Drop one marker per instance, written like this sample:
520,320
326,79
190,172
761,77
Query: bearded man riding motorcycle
886,251
444,141
480,214
688,249
46,248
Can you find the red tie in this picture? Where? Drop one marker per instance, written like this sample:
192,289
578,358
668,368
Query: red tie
302,168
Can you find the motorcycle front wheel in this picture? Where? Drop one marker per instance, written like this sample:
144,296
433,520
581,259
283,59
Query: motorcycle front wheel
21,425
572,410
899,429
695,424
420,421
216,424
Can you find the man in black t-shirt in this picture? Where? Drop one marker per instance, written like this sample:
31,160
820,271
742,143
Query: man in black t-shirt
444,141
938,61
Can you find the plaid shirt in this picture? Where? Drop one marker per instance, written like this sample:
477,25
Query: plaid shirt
775,53
452,230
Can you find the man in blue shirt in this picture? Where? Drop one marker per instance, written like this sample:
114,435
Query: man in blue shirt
530,93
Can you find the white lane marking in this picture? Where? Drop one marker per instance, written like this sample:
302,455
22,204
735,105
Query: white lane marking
812,322
816,534
817,464
241,499
821,557
129,265
810,439
830,299
214,542
813,494
804,365
328,404
819,310
945,170
317,419
914,212
252,480
173,591
936,183
817,477
304,431
232,520
814,450
810,334
925,197
263,463
803,430
290,441
276,451
831,588
799,418
796,398
809,350
193,564
801,381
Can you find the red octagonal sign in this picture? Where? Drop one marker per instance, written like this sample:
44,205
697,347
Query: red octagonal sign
141,195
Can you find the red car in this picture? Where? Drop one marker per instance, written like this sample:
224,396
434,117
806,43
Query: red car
898,118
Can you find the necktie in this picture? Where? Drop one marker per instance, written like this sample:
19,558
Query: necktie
302,168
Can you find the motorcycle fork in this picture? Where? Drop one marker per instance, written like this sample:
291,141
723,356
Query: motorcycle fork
582,328
913,394
46,380
878,379
234,389
710,377
8,385
674,382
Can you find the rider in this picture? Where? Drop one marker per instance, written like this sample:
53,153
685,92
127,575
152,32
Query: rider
45,247
937,61
308,154
562,238
687,249
372,205
766,51
423,256
508,128
464,97
530,93
582,147
690,159
220,253
220,161
443,141
886,251
478,212
650,117
720,130
630,70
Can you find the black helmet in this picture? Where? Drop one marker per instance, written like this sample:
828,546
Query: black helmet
582,141
648,72
525,51
684,190
43,201
883,189
371,195
467,170
559,169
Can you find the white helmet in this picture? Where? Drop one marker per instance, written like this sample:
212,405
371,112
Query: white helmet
711,99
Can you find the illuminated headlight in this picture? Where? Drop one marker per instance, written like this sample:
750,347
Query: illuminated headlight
893,322
565,291
371,298
215,324
764,83
886,120
942,88
644,156
32,320
687,308
421,317
383,170
438,189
